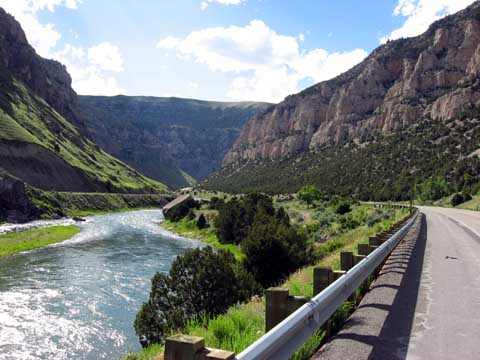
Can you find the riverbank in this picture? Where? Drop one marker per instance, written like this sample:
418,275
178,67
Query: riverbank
244,323
16,242
188,229
53,204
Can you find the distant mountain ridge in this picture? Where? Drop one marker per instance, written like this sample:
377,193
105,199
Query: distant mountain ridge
174,140
409,112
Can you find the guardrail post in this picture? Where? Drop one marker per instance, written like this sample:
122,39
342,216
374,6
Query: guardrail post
375,241
295,302
346,260
364,249
276,307
183,347
322,277
186,347
358,258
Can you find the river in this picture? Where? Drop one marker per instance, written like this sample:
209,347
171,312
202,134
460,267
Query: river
78,299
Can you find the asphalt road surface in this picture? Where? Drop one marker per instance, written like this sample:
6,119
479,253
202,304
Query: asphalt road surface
426,302
447,320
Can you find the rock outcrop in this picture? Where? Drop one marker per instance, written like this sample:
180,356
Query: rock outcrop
49,79
433,76
15,205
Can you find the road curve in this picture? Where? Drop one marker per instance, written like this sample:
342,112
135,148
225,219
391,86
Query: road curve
447,316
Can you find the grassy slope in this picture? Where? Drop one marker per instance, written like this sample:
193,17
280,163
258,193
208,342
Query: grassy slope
82,204
31,239
244,323
25,117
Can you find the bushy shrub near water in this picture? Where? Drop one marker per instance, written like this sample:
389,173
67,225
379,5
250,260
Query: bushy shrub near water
200,282
274,250
236,217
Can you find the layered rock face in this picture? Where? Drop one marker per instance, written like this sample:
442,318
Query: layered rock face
166,138
49,79
432,76
15,205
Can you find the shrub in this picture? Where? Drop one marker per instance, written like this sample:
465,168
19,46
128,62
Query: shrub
309,194
201,282
202,222
343,207
236,217
348,222
274,250
457,199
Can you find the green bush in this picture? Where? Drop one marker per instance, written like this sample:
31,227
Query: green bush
343,207
274,250
202,222
201,282
236,217
309,194
457,199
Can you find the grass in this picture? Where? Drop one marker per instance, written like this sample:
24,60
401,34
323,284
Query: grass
31,239
83,204
188,228
29,119
244,323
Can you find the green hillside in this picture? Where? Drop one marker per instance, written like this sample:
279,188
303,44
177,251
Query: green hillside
42,148
388,168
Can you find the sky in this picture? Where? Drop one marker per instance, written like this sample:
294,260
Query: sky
223,50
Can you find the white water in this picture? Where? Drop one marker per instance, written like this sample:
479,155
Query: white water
78,299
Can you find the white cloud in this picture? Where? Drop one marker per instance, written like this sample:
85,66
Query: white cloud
43,37
421,13
268,66
206,3
106,56
91,68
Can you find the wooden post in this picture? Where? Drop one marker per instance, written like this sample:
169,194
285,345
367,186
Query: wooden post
322,277
295,302
346,260
374,241
357,259
364,249
183,347
276,307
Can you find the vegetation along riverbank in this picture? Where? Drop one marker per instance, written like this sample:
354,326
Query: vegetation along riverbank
279,239
31,239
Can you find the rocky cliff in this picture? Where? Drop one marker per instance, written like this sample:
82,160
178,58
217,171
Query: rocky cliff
169,139
40,143
433,76
47,78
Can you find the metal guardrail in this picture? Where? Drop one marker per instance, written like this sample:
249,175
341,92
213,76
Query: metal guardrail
284,339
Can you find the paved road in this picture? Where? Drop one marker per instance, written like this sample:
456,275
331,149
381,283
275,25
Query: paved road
447,318
426,302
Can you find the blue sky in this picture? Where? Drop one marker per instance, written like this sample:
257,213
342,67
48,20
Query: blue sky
215,49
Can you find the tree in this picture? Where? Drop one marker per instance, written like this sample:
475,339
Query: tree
273,250
343,207
309,194
202,222
200,282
